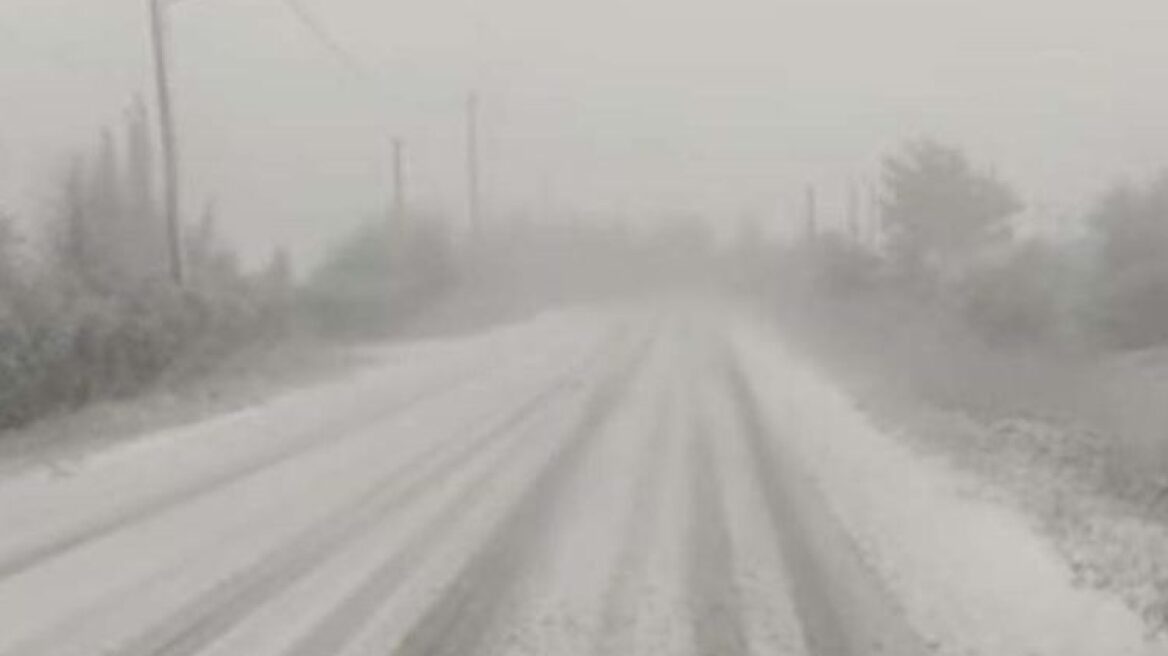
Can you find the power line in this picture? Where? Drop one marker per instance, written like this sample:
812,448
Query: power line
353,66
158,14
317,29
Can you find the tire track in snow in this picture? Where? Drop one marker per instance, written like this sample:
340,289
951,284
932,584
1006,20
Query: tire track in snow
225,606
844,608
24,559
456,623
622,604
715,603
332,632
619,613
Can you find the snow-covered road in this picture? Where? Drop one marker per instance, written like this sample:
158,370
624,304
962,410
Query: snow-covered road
621,481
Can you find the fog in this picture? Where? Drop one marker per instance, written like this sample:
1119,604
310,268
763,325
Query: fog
616,108
666,327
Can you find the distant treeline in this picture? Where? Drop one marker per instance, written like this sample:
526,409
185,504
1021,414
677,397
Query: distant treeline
957,301
89,308
950,238
379,275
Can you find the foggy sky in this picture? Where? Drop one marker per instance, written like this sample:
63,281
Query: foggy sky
727,108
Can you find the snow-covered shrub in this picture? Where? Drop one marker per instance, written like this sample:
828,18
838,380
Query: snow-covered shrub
381,272
1022,297
1131,303
89,311
844,267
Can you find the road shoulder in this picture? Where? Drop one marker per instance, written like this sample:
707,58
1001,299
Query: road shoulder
974,573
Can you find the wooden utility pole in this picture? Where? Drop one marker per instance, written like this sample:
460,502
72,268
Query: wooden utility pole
546,204
812,219
399,181
472,165
169,140
854,213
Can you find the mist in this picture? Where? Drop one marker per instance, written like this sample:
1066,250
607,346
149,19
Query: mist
818,328
602,108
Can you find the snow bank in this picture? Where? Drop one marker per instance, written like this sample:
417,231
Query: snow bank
973,576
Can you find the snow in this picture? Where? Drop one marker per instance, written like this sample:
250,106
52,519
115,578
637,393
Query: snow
974,576
560,607
335,436
768,613
343,517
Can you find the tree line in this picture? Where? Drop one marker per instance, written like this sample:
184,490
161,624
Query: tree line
88,309
951,236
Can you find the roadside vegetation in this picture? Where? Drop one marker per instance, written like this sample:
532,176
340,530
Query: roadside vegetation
1037,357
91,317
89,311
379,275
1040,359
86,308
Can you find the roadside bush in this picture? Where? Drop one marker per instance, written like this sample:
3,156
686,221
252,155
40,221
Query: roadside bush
1019,299
378,275
1130,308
843,267
65,348
938,210
87,311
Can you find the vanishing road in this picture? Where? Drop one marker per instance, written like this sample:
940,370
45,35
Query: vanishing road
623,481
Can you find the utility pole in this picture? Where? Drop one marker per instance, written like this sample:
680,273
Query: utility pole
812,226
399,181
169,140
854,213
472,165
546,205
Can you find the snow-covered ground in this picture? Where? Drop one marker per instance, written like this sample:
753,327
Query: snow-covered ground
614,480
973,576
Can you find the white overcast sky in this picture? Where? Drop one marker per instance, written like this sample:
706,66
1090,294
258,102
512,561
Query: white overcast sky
728,108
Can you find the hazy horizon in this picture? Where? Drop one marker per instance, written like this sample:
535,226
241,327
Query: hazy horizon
728,110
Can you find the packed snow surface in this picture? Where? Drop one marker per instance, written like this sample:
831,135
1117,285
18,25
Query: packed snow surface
597,480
